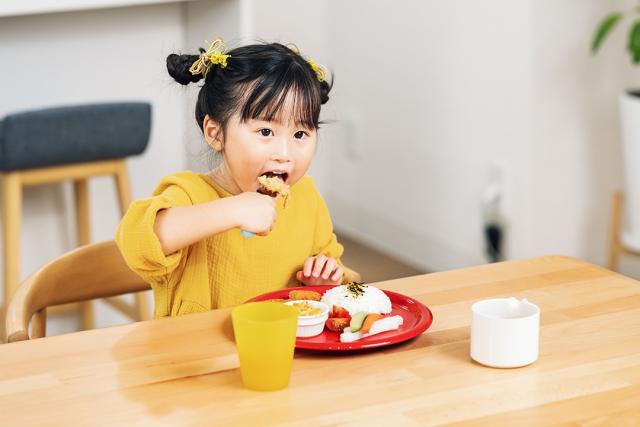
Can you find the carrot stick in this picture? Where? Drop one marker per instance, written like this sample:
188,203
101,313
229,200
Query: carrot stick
366,325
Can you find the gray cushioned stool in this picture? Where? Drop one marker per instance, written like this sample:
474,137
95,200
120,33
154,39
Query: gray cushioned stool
68,143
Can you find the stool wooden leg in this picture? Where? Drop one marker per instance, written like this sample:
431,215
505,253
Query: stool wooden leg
39,324
124,198
81,193
123,186
11,215
615,246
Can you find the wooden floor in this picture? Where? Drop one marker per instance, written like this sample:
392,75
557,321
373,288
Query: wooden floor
373,265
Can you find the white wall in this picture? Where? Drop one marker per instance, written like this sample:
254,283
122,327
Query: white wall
93,56
576,151
431,93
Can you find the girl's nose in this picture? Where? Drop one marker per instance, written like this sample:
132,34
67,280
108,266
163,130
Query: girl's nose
281,153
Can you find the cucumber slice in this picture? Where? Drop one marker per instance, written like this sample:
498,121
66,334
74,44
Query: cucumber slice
357,320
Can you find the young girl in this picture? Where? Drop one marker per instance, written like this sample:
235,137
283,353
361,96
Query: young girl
258,108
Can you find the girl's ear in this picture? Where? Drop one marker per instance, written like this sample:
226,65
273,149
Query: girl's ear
212,133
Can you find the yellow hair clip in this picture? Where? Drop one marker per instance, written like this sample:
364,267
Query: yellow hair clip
213,56
321,73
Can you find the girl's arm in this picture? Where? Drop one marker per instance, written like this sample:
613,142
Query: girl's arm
180,227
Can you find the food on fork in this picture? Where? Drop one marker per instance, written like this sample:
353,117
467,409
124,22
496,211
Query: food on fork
273,185
308,295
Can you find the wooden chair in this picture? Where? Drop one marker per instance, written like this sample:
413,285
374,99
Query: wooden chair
616,246
92,271
67,144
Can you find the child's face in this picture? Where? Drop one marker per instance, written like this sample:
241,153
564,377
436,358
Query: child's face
255,147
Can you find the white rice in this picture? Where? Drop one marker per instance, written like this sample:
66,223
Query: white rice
373,300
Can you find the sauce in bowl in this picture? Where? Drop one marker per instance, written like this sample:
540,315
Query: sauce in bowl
307,309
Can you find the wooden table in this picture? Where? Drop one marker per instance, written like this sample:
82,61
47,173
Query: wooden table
184,371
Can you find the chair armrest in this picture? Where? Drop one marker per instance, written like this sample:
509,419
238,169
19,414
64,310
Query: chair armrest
17,319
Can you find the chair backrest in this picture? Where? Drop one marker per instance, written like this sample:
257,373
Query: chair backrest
91,271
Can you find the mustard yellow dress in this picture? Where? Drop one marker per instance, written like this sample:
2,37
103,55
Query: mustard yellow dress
225,269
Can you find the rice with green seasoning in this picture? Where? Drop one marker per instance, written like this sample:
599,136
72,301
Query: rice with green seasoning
356,297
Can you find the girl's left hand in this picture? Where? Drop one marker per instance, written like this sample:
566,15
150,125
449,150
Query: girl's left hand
320,270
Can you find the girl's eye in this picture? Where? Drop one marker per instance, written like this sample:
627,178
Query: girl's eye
265,132
300,134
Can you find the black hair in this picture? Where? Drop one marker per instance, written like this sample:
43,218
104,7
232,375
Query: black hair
256,82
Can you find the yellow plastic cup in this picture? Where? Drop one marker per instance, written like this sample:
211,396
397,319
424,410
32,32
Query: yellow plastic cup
265,335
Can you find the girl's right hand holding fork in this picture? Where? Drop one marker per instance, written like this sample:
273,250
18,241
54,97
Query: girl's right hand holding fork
255,212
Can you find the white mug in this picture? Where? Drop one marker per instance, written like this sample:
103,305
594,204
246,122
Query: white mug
505,332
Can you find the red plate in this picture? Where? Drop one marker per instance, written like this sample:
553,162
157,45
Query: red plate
417,319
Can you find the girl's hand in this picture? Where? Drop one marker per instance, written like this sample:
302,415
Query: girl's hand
255,212
320,270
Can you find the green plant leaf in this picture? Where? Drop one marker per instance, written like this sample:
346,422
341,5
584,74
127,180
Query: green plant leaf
605,27
633,44
634,37
635,56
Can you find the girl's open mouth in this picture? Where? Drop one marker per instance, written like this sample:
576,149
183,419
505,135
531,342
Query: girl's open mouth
281,175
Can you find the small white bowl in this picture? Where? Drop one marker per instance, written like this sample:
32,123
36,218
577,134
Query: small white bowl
310,326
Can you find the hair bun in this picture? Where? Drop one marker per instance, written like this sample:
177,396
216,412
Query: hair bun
178,68
325,88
